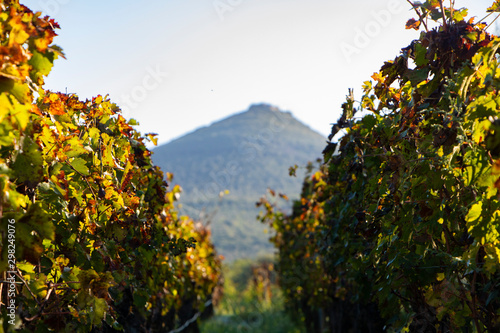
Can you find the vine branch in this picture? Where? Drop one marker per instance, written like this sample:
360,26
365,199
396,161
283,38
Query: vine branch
445,25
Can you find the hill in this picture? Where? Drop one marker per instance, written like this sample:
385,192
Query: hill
245,153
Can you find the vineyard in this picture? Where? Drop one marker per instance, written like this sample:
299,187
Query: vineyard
397,229
90,236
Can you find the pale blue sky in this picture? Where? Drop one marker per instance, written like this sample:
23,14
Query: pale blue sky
177,65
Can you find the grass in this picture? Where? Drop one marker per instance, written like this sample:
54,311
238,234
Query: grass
243,309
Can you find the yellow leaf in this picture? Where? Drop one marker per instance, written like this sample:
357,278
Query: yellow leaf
474,212
5,106
153,138
109,193
17,34
26,267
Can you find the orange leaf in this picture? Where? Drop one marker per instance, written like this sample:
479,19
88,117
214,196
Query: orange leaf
36,110
412,24
56,106
377,77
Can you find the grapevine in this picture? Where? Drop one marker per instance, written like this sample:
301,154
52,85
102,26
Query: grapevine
99,244
400,223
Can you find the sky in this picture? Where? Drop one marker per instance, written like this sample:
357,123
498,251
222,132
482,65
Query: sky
178,65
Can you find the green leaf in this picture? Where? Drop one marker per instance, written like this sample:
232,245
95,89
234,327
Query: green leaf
38,286
369,121
86,277
22,93
19,90
420,55
80,165
75,147
140,299
436,14
97,261
72,276
483,107
39,221
42,62
28,163
97,311
418,75
493,295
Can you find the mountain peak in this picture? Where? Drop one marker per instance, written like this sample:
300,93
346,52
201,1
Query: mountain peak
263,107
244,153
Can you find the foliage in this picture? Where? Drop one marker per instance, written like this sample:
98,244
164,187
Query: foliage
406,215
99,245
242,310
